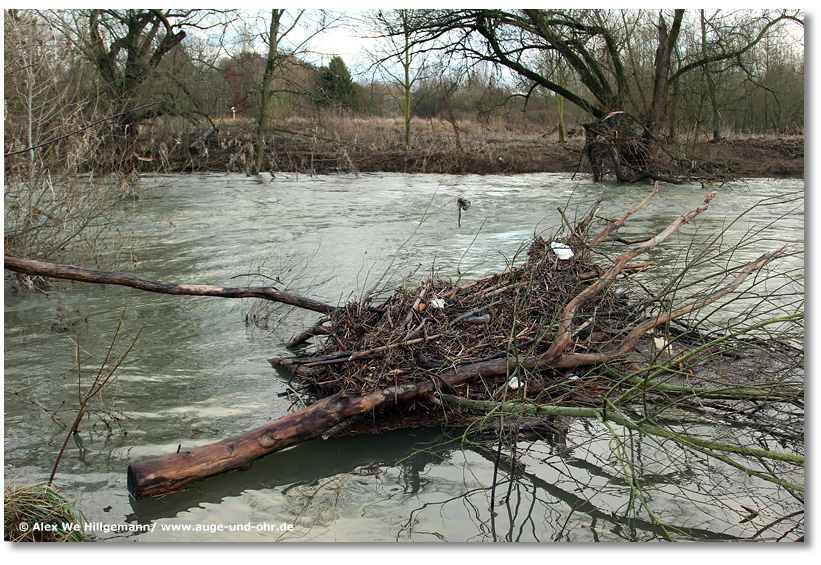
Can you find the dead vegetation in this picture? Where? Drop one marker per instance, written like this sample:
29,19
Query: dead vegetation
558,331
340,143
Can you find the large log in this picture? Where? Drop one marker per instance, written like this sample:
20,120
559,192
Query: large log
70,272
173,472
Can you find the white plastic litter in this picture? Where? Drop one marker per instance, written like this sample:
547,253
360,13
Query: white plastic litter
514,383
562,250
437,303
663,346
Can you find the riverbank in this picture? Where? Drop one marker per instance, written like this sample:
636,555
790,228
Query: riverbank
377,145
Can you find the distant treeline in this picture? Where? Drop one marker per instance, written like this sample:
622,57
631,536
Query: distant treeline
79,83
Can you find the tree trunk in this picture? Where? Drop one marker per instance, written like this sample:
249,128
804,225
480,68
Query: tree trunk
406,63
560,112
711,87
166,474
265,103
666,43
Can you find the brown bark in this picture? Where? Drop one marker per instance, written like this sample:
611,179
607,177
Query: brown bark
317,329
70,272
173,472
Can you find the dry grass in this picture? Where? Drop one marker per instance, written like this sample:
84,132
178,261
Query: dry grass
336,142
40,512
341,143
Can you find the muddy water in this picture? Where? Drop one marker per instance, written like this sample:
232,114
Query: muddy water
198,372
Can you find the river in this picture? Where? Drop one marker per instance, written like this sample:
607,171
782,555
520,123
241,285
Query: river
198,372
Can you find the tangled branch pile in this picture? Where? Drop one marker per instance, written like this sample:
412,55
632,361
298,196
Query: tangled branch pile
414,335
553,330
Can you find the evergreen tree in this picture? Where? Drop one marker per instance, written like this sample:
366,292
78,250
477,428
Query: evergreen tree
336,88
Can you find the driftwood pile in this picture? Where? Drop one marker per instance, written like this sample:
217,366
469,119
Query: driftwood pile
513,335
417,335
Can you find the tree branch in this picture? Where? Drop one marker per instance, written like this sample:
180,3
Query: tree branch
70,272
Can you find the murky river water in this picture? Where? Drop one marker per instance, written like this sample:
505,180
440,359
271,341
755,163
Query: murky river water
198,372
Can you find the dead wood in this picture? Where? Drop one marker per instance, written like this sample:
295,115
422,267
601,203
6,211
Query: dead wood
620,223
173,472
532,322
70,272
315,330
564,333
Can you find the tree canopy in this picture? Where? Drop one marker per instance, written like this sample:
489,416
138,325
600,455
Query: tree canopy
631,78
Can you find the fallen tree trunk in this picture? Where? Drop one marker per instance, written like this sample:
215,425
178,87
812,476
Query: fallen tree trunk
70,272
173,472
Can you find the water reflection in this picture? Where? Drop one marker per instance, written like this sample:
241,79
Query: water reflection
428,485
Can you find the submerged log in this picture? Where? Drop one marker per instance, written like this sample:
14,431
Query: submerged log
70,272
173,472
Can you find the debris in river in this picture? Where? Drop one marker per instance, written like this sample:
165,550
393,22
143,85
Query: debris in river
400,364
562,250
461,204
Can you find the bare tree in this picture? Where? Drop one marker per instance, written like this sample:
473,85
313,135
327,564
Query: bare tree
52,131
709,77
287,35
399,47
594,44
271,66
127,47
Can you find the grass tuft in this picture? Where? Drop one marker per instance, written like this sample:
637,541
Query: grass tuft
40,512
